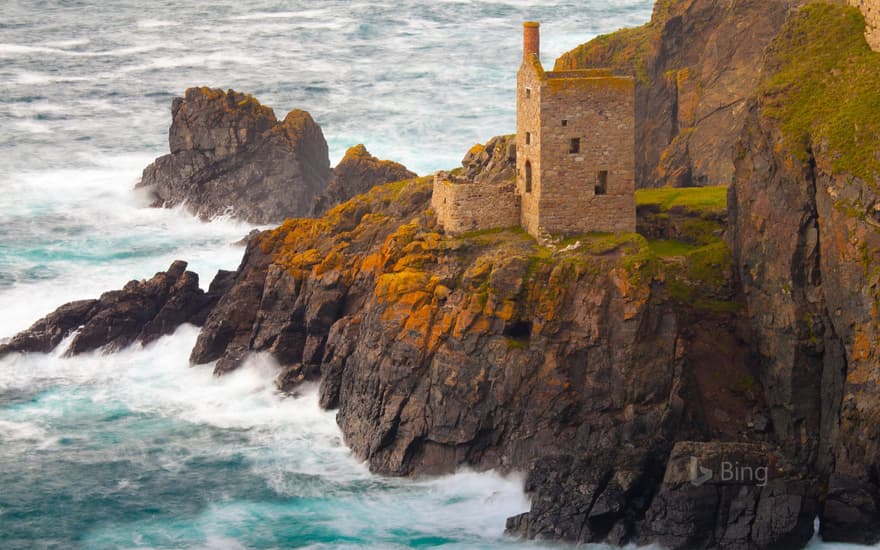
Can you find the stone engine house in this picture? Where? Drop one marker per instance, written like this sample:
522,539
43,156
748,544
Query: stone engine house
575,157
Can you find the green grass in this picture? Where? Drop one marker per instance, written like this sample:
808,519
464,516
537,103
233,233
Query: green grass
824,89
702,200
669,248
626,51
700,281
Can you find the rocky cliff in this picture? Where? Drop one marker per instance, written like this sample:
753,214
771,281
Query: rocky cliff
142,311
696,64
805,213
357,173
230,155
709,382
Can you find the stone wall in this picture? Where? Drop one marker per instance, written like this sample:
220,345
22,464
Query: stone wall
528,121
871,10
462,207
599,112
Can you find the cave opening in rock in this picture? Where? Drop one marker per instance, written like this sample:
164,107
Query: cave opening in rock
518,330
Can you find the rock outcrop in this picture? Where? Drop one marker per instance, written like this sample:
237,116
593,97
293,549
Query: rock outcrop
357,173
711,382
231,156
142,311
492,162
696,64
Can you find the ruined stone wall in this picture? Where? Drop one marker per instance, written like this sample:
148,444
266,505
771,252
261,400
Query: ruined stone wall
600,113
871,11
528,119
464,207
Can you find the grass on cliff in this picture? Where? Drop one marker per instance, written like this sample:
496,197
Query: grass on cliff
626,50
824,89
700,200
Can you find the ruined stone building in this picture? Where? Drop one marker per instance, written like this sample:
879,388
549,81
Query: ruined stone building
575,157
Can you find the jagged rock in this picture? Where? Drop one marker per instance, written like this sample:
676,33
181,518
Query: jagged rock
357,173
142,311
294,376
44,335
494,162
589,499
230,155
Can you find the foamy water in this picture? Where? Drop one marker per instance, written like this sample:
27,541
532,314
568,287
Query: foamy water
137,449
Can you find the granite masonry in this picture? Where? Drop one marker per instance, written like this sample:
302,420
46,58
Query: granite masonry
575,157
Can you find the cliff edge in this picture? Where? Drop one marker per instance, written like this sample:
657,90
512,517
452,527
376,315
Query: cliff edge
710,381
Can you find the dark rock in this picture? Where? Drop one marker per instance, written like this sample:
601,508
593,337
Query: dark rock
142,311
44,335
850,512
292,377
226,334
230,155
730,495
587,499
357,173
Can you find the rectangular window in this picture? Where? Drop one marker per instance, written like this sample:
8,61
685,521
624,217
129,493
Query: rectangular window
528,93
602,183
528,138
564,122
575,146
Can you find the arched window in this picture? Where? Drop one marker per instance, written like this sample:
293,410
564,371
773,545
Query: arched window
528,177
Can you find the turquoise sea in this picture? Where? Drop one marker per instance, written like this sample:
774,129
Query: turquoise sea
137,449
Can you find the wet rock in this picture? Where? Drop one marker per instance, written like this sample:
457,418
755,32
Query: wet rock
730,495
294,376
142,311
44,335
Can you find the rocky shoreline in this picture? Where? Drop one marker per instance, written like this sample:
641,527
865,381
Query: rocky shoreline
230,156
710,382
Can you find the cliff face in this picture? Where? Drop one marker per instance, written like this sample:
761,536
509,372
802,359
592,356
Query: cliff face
805,217
696,64
492,351
625,373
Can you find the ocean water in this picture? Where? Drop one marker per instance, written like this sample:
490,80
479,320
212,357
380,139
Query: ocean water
137,449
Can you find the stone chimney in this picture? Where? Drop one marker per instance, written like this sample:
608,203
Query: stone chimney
531,39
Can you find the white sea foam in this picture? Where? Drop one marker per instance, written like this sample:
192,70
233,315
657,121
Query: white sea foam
156,23
20,430
87,108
